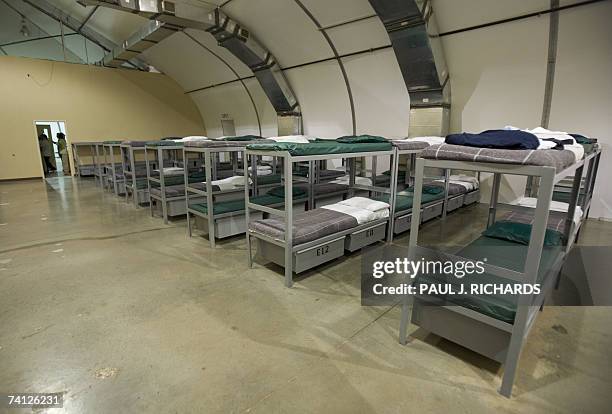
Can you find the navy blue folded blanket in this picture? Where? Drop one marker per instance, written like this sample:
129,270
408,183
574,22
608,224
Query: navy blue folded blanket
496,138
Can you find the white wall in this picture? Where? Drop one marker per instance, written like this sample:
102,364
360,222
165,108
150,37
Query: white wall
582,96
497,73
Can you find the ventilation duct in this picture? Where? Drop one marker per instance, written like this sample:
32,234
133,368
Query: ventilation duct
228,33
146,37
413,32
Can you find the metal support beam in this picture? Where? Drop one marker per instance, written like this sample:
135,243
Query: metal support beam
52,11
40,29
229,34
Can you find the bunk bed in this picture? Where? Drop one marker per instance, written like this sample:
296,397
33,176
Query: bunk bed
527,244
84,163
228,203
304,240
99,163
219,190
135,171
165,178
440,195
115,179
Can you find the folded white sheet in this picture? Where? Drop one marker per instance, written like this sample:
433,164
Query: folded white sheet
466,178
262,168
365,203
466,185
358,180
531,202
361,215
543,134
299,139
469,182
431,140
172,171
230,183
194,138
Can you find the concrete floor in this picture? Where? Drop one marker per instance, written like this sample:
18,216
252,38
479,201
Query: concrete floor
125,314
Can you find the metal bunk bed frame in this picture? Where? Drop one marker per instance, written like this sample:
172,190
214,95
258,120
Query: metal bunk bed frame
159,151
287,213
77,158
431,209
111,167
99,163
128,157
254,189
208,153
504,340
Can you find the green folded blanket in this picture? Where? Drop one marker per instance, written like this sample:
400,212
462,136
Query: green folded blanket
280,192
400,173
520,233
241,138
428,189
321,147
165,143
361,139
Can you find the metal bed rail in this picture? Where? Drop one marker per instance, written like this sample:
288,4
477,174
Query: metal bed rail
159,151
77,156
526,309
210,175
287,214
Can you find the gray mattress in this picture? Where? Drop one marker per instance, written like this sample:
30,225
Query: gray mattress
171,191
328,188
307,226
556,219
409,145
134,143
202,186
329,174
221,144
560,159
453,189
179,190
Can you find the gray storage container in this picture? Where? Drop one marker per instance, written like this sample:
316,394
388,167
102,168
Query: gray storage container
471,197
402,223
454,203
177,207
362,238
227,226
305,259
431,212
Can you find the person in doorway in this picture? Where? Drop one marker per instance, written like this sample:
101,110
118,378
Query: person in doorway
62,148
46,149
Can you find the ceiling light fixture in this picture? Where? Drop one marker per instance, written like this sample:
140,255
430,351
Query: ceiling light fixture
25,31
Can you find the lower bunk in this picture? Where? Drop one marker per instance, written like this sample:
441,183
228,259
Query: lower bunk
229,218
460,193
322,234
484,322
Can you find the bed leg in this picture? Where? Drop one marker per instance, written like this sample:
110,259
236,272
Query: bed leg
405,319
514,350
188,224
288,276
165,212
249,250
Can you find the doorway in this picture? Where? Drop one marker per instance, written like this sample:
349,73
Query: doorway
54,157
